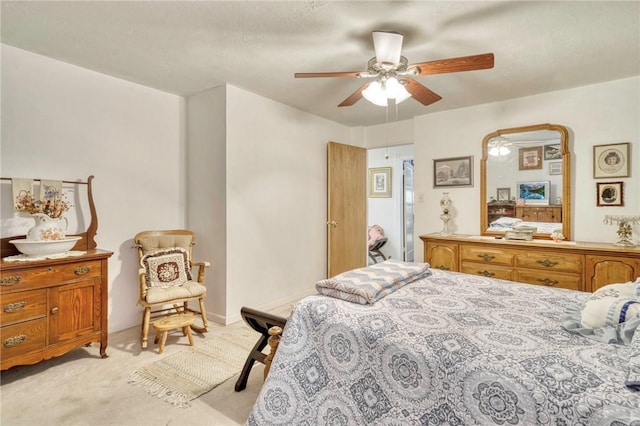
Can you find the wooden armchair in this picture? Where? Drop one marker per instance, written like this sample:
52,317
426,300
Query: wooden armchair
165,277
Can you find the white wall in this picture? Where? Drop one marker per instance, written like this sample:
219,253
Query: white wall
207,191
389,134
595,115
276,200
61,121
388,212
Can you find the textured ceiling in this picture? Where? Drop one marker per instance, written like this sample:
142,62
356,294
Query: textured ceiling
185,47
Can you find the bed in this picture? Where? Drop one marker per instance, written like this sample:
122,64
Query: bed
450,349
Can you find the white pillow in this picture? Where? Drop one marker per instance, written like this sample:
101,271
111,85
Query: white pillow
507,221
612,304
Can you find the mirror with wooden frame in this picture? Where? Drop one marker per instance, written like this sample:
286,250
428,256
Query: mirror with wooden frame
525,180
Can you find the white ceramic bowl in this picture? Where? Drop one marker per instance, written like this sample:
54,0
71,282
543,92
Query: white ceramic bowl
45,248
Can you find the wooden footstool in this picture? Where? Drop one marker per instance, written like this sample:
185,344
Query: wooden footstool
166,324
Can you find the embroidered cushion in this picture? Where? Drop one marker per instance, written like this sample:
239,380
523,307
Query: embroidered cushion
166,268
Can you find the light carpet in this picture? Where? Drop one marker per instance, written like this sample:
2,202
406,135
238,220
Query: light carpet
181,377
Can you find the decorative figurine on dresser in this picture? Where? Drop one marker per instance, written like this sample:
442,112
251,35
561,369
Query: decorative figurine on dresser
53,285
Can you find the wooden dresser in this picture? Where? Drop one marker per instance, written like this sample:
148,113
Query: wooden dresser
573,265
52,306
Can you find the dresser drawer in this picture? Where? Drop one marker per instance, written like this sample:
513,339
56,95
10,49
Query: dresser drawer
24,337
487,270
23,306
31,278
550,279
486,255
556,262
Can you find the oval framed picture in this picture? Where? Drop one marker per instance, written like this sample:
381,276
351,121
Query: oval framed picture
611,160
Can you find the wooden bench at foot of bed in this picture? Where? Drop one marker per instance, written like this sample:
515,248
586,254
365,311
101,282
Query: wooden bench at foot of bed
270,327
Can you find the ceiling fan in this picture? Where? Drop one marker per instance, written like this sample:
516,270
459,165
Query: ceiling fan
392,72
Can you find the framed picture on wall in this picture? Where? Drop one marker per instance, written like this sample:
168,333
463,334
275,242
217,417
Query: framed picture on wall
380,182
611,160
448,172
530,158
610,194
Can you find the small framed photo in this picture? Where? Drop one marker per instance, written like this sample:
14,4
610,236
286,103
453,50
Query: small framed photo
530,158
611,160
380,182
456,171
610,194
555,168
504,194
552,152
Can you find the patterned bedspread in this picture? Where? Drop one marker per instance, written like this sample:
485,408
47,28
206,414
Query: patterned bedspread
447,349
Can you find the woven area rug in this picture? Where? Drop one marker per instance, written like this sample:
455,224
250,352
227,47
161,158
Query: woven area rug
184,376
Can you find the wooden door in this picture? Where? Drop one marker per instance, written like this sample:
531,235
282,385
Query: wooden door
346,208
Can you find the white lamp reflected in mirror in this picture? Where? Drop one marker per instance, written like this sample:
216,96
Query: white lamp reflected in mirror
499,146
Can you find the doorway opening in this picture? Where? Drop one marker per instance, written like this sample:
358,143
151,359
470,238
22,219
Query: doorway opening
393,212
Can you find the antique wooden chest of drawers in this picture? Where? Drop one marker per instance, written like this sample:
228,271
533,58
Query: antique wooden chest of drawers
49,307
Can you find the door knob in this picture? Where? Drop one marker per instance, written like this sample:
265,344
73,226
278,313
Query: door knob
333,223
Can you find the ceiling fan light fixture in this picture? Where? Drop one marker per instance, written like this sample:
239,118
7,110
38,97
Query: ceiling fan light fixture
395,90
380,91
375,94
388,46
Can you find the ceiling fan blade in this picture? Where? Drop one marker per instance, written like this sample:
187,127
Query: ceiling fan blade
464,63
355,96
420,93
388,47
327,74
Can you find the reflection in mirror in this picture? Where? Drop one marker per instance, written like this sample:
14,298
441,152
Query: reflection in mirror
525,181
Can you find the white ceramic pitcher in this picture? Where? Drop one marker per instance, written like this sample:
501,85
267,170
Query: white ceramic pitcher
47,228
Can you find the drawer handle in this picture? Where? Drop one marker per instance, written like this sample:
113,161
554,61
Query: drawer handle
14,341
81,270
486,273
548,263
13,280
14,307
486,257
548,282
442,267
54,310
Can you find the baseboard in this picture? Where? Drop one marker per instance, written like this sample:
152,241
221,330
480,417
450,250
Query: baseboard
267,307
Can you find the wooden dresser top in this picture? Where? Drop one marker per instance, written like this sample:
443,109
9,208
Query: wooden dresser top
569,246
